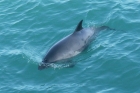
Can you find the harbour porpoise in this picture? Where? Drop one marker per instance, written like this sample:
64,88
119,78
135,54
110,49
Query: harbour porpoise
71,45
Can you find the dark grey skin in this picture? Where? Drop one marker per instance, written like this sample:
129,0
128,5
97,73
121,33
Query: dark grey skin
71,45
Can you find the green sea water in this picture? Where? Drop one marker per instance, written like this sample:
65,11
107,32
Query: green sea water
28,28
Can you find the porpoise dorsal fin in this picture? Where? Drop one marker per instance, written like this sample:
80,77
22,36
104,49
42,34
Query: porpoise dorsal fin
79,26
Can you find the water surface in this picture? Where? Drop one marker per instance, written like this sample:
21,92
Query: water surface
111,64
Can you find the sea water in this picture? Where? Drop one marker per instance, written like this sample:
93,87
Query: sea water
28,28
